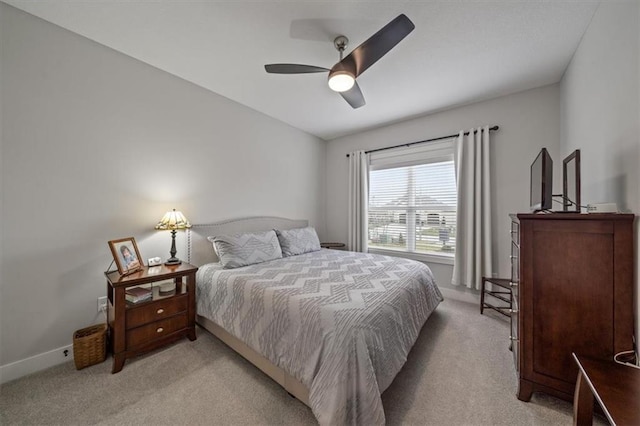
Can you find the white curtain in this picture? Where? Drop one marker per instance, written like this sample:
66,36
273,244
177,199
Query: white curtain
358,201
473,258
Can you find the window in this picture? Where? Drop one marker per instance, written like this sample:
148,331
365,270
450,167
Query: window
413,200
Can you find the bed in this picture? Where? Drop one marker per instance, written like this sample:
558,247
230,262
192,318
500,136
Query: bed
332,327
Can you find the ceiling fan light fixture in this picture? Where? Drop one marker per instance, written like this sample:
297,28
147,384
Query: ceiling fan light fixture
341,81
342,76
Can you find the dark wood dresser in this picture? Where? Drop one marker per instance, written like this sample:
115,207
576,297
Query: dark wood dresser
572,276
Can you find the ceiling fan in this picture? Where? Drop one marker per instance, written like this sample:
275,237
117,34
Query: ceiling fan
342,76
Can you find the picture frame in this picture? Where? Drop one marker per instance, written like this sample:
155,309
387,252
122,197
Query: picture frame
126,255
571,182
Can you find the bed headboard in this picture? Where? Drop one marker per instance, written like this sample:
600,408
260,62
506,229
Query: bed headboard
200,250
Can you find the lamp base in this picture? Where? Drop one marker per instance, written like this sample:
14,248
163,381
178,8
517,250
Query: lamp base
173,261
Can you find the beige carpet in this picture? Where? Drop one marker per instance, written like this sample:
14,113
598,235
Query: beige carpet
460,372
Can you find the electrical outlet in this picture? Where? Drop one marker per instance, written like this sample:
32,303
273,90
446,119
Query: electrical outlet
102,304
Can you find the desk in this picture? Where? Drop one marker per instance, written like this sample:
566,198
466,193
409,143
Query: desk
616,388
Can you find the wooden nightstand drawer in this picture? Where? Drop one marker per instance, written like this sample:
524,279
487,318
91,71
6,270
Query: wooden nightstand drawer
149,312
155,330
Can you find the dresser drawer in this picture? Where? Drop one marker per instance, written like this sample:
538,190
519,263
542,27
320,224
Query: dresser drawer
155,330
154,311
515,233
515,267
515,339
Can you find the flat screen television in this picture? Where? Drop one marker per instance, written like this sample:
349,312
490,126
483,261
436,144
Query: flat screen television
541,182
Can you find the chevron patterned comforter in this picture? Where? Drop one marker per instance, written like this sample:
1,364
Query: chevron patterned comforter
342,323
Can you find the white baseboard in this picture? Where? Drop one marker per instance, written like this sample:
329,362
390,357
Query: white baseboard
463,296
35,363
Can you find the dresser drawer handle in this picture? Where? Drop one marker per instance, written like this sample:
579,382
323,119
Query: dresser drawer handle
159,330
513,257
513,311
514,338
160,311
513,284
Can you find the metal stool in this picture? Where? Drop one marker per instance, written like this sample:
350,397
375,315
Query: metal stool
504,296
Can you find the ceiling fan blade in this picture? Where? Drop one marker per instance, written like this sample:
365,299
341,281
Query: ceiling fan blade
378,45
292,69
354,96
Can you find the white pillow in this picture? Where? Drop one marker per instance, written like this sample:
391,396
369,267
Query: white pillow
239,250
298,241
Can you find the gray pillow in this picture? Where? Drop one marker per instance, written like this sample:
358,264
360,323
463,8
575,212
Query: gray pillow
239,250
298,241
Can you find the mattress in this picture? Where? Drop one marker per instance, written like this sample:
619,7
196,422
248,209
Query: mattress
341,323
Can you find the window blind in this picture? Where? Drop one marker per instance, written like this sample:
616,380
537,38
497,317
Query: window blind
413,200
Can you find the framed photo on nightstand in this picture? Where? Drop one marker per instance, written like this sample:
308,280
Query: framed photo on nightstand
126,255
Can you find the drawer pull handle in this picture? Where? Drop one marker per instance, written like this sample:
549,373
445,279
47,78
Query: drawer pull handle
513,311
159,311
514,338
513,257
159,330
513,284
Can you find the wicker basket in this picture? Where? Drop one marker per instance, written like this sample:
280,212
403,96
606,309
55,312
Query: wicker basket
90,345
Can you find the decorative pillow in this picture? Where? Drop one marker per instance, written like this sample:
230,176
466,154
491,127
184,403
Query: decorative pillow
298,241
235,251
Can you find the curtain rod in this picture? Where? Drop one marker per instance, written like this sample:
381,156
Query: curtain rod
426,140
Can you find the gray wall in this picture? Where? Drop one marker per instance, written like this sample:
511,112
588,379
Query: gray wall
528,121
97,146
600,110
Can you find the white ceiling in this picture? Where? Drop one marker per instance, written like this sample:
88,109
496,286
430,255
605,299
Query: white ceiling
460,52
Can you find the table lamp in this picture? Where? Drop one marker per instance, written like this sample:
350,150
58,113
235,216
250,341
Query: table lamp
173,220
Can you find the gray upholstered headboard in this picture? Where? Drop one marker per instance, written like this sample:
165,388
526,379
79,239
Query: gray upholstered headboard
200,251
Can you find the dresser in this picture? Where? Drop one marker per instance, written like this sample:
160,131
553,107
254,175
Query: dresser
572,282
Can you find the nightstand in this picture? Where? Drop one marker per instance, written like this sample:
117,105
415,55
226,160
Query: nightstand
138,328
335,246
